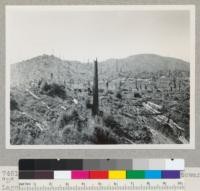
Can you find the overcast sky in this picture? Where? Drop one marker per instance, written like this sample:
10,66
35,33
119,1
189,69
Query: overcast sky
85,34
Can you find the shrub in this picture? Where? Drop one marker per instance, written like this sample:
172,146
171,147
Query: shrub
110,92
71,135
88,104
138,133
103,136
137,95
109,121
53,90
101,90
119,95
66,118
44,86
13,104
21,136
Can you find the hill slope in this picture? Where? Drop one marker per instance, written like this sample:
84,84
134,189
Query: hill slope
43,66
145,62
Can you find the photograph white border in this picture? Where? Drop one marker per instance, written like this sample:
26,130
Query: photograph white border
191,144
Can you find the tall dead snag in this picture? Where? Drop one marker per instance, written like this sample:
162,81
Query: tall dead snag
95,106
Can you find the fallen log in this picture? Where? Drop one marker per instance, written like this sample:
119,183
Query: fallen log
131,142
38,98
127,114
183,140
161,118
40,125
31,93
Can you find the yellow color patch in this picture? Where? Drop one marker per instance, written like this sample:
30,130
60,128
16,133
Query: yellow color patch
117,174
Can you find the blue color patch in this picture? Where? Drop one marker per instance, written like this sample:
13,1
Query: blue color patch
153,174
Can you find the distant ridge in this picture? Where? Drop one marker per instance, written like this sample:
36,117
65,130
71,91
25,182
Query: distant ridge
42,66
147,63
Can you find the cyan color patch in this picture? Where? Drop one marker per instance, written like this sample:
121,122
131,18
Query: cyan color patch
153,174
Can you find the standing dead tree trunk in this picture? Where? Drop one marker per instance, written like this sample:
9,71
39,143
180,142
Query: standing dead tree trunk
136,83
95,107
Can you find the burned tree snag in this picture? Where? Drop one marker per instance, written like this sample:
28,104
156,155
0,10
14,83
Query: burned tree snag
107,84
95,107
51,76
136,83
174,82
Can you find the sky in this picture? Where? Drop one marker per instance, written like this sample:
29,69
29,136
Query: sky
86,33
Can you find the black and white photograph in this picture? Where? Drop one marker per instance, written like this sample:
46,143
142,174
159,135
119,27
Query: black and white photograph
100,76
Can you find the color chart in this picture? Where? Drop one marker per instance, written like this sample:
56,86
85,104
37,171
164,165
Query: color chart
73,169
111,174
9,182
101,175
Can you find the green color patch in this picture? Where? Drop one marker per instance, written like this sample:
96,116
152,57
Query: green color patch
135,174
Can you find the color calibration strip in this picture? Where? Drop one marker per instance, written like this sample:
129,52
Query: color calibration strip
9,182
99,164
101,174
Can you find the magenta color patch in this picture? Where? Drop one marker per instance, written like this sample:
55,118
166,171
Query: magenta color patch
80,174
